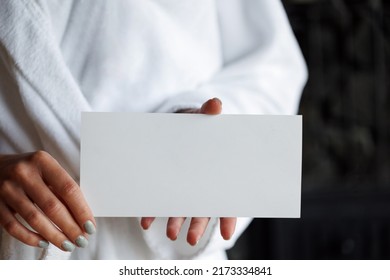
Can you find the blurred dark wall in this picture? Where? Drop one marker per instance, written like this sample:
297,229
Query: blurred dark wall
346,152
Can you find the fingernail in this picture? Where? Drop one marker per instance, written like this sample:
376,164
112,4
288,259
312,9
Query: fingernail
43,244
89,227
81,241
68,246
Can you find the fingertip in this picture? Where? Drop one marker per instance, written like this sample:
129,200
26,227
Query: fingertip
172,233
43,244
144,226
192,238
212,107
227,227
89,227
217,100
67,246
226,233
146,223
226,236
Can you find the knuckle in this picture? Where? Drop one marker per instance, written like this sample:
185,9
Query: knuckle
33,218
6,188
51,207
19,170
69,188
39,157
12,227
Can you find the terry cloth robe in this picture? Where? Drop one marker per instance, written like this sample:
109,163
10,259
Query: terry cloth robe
61,57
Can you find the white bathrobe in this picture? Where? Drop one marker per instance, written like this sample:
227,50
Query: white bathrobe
61,57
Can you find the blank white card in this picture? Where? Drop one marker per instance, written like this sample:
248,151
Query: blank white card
190,165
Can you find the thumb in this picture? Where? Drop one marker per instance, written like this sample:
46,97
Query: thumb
211,107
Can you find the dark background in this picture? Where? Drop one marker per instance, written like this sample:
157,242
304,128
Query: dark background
346,149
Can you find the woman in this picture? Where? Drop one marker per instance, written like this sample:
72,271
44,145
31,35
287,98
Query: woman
59,58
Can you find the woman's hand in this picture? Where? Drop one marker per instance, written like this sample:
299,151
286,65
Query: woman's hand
40,191
197,225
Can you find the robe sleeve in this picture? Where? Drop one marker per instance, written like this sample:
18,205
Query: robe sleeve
264,71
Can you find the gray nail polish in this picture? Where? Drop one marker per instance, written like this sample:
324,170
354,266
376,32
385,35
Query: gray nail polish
89,227
81,241
68,246
43,244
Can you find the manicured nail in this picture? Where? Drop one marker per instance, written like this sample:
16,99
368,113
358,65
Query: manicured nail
81,241
43,244
89,227
68,246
